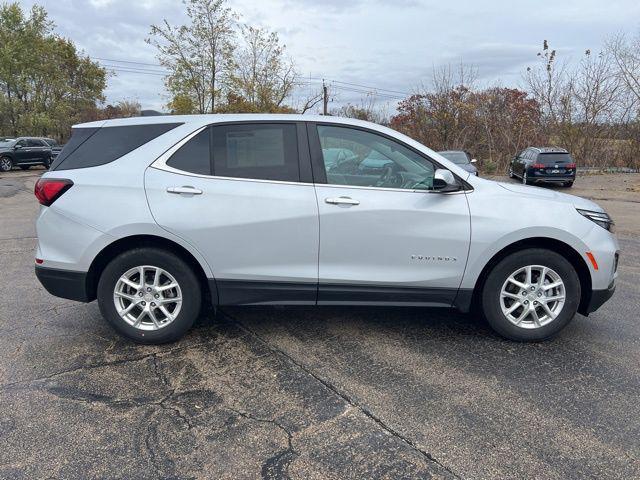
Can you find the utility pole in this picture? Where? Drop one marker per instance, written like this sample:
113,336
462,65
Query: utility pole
325,98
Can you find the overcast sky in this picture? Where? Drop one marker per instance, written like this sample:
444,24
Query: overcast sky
390,45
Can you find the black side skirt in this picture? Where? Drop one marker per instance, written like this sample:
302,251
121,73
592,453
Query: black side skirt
249,292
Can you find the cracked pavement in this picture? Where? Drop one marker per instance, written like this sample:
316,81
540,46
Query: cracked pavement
313,392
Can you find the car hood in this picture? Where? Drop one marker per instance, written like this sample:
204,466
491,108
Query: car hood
5,149
547,194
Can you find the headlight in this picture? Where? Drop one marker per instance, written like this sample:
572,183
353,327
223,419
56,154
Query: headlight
601,218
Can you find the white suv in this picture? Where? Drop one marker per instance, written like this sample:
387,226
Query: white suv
158,216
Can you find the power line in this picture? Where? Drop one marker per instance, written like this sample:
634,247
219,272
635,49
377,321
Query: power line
130,67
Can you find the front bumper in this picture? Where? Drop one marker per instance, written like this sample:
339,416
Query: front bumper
64,283
598,298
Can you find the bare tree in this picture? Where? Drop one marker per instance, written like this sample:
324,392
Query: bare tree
626,54
263,76
199,54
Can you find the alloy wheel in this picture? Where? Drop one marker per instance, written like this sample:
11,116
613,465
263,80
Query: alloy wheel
532,296
5,164
147,297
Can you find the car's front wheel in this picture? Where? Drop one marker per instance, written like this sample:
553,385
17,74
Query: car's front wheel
531,295
5,164
149,295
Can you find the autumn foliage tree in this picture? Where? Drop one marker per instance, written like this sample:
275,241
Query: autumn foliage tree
493,124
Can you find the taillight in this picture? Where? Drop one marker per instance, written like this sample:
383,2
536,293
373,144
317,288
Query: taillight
571,165
539,165
48,190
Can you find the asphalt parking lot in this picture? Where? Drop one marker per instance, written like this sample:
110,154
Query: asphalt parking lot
315,393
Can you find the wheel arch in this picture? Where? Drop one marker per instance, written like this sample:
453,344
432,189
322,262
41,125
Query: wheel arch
124,244
558,246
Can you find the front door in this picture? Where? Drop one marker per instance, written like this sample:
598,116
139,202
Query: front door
386,237
234,192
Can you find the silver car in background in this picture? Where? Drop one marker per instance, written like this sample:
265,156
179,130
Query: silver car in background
462,159
157,216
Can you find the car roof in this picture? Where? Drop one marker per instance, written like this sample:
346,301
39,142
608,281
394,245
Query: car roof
225,117
452,151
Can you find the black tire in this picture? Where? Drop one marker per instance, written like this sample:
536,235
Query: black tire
47,163
568,184
6,164
25,167
189,285
490,298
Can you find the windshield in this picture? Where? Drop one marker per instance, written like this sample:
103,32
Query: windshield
459,158
549,158
7,143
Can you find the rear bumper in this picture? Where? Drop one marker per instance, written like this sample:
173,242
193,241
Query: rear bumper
599,298
550,179
64,283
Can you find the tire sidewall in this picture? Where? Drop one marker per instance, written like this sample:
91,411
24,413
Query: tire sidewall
497,277
180,270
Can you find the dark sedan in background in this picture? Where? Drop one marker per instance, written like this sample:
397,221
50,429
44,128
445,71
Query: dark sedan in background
544,165
462,159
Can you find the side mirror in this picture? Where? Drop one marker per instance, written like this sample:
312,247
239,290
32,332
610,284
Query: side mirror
17,147
444,181
473,160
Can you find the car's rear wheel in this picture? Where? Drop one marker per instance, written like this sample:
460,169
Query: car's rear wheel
568,184
531,295
149,295
5,164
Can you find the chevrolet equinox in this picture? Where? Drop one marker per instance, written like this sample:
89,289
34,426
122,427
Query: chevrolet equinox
156,216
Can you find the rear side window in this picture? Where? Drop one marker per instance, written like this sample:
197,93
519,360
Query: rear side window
99,146
195,155
34,142
256,151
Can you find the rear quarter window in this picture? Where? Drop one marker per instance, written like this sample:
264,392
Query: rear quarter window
90,147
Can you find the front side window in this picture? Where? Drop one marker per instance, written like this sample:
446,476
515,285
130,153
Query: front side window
364,159
195,155
256,151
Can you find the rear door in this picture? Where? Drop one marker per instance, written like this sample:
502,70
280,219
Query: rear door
385,236
237,193
39,150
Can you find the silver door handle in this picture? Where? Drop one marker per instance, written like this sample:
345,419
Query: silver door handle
341,201
185,190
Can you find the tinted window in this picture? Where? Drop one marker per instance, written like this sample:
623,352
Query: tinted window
459,158
260,151
22,143
195,155
34,142
98,146
548,158
360,158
